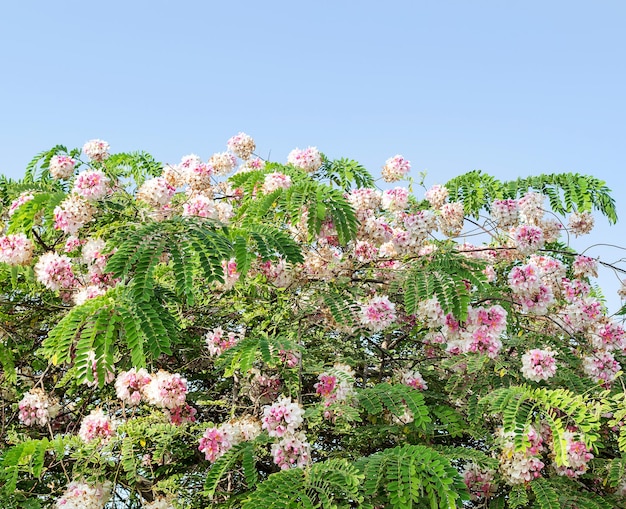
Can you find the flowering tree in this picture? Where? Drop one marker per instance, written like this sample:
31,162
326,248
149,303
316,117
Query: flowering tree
243,333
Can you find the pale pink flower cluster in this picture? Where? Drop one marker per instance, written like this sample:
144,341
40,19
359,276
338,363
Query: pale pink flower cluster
479,334
166,390
608,335
242,429
308,159
289,358
215,443
335,385
156,192
231,276
622,290
276,272
276,180
96,425
222,163
420,224
181,414
601,366
242,145
16,249
61,167
527,283
528,239
196,173
80,495
580,223
218,341
395,199
264,388
414,379
91,185
430,312
479,481
282,417
200,206
538,364
578,457
96,150
395,168
365,251
23,198
582,314
451,219
505,212
72,214
574,290
437,196
72,244
378,313
519,467
87,293
253,164
364,198
531,208
55,271
292,451
130,384
37,407
552,270
584,266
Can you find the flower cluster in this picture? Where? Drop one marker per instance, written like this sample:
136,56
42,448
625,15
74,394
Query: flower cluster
72,214
61,166
518,467
414,379
37,407
479,481
91,185
214,443
242,145
276,180
336,385
378,313
437,196
23,198
578,457
16,249
395,168
55,271
580,223
129,385
292,451
96,425
96,150
80,495
282,417
538,364
218,341
156,192
166,390
308,159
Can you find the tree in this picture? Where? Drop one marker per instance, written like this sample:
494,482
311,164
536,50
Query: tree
244,333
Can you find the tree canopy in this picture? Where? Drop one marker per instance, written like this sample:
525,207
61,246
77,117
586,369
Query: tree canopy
238,332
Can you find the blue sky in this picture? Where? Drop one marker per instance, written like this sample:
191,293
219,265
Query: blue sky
512,88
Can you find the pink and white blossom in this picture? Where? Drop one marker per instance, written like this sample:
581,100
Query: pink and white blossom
23,198
96,150
242,145
166,390
91,185
61,166
276,180
538,365
282,417
16,249
292,451
395,168
37,407
130,384
378,313
308,159
437,196
215,442
156,192
55,271
80,495
96,425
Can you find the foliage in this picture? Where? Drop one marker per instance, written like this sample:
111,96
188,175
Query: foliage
289,335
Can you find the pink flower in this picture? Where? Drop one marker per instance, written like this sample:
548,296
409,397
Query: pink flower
156,192
292,451
479,481
61,167
130,384
584,266
580,223
505,212
214,443
414,379
276,180
283,416
601,367
437,196
308,159
72,214
55,271
528,239
364,198
451,218
96,425
538,364
218,341
37,407
166,390
91,185
21,200
395,199
16,249
96,150
578,457
241,145
80,495
396,168
378,313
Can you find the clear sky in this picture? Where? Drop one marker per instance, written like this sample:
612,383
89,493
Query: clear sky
512,88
